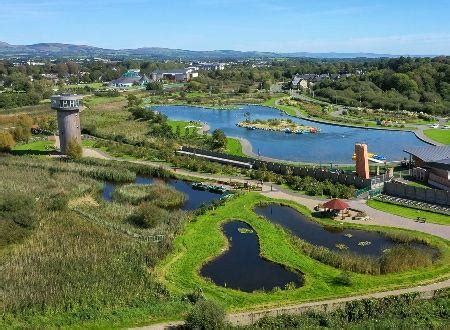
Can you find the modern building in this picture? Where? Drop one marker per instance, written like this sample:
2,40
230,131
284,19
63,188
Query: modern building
178,75
130,78
431,164
68,107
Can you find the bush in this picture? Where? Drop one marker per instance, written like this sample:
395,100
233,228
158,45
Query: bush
19,208
206,315
74,149
344,278
7,141
148,215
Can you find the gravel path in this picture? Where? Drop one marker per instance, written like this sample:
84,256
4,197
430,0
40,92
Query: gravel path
247,318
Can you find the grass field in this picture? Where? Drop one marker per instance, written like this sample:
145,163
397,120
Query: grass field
286,108
410,213
181,126
41,147
438,134
203,240
234,147
98,100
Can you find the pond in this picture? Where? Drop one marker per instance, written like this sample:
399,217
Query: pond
195,198
334,144
241,267
332,238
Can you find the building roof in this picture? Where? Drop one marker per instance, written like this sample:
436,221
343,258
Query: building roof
336,204
442,164
130,80
173,71
430,153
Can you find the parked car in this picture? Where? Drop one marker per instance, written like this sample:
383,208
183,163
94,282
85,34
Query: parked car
434,126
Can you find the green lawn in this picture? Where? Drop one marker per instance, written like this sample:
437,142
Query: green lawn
290,110
234,147
181,125
35,148
438,134
203,240
410,213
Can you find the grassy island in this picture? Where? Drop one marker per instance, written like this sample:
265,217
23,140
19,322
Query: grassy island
279,125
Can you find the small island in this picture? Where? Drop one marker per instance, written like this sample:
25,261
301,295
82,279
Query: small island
278,125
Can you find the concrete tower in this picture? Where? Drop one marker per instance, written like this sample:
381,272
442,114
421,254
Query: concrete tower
68,107
362,160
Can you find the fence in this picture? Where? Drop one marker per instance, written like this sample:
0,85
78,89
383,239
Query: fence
432,196
279,168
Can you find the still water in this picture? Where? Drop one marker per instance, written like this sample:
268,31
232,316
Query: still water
241,267
314,233
195,198
334,144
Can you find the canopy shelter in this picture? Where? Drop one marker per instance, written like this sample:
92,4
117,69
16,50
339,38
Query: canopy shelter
336,205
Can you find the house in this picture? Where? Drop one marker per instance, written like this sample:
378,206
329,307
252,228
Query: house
210,66
178,75
130,78
298,82
431,165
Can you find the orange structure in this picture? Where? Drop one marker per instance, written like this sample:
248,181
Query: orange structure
362,160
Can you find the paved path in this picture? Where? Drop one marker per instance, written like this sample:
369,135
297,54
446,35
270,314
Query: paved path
379,218
247,318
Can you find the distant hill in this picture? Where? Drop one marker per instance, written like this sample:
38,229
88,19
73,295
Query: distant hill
70,50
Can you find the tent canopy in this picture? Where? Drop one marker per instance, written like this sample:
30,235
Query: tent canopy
336,204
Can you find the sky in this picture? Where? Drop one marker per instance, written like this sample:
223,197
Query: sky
400,27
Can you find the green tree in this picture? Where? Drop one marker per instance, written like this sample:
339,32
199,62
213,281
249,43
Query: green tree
133,101
218,139
154,86
206,315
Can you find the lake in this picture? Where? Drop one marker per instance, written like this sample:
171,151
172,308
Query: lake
241,267
334,144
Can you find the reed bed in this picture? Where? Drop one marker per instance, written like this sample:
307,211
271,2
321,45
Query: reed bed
161,194
79,260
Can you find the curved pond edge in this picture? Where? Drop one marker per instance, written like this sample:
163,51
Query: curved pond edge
226,249
179,271
437,250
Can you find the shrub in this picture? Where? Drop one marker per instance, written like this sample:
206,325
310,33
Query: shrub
74,149
58,202
7,141
206,315
148,215
344,278
19,208
195,296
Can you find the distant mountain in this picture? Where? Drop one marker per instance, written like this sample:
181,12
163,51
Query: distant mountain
69,50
